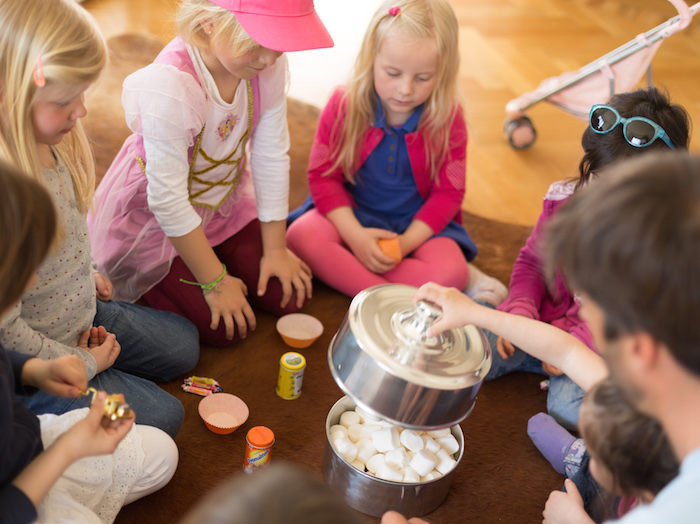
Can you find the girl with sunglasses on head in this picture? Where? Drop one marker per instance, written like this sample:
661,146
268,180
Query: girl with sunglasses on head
629,124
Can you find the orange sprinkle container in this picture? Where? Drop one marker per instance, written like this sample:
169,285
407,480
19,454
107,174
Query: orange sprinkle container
258,451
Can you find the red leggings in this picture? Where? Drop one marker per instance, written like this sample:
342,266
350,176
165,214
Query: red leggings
241,253
314,239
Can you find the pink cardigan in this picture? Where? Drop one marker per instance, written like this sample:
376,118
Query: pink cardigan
530,296
442,196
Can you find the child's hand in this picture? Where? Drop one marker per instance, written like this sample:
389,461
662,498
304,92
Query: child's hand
565,507
551,370
290,270
95,434
64,376
363,244
392,517
456,307
101,345
504,348
228,303
104,287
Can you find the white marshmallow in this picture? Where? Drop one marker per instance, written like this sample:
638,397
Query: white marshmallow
365,450
386,472
386,439
354,432
397,458
374,462
424,462
358,465
365,418
345,448
411,440
449,444
438,433
445,462
368,429
338,434
430,444
338,427
410,475
432,475
348,418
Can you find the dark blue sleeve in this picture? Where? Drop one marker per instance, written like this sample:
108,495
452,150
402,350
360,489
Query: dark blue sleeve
17,361
15,506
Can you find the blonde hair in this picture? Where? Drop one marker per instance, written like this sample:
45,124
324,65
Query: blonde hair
72,52
226,29
433,19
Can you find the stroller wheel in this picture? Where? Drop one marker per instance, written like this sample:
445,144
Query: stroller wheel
520,132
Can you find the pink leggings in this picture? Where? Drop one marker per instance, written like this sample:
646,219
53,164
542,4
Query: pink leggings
241,253
314,239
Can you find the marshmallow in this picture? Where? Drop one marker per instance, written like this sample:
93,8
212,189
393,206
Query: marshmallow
424,462
449,444
386,472
338,427
410,475
430,444
354,432
349,418
386,439
432,475
337,434
438,433
445,462
368,429
411,440
358,465
345,448
365,450
374,462
397,458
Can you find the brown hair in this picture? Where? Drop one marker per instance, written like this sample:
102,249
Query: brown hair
28,225
601,151
278,494
631,242
631,446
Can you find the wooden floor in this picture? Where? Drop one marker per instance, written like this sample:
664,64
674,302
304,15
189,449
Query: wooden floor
508,47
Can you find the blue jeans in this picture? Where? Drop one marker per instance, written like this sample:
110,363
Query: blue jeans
155,346
563,397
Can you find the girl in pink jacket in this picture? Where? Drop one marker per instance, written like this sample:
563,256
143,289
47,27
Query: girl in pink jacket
387,167
631,124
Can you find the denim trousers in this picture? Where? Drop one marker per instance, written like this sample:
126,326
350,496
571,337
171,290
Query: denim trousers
155,346
563,396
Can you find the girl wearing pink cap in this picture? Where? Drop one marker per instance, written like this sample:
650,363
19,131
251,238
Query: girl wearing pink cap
191,213
388,163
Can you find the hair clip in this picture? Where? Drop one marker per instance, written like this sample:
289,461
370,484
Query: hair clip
38,73
393,11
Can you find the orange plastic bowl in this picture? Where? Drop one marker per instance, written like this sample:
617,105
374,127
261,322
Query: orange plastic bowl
299,330
223,413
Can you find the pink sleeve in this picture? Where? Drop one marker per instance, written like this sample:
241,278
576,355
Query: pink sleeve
528,285
328,190
443,202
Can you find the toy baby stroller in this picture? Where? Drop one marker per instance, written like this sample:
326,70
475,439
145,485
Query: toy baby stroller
575,92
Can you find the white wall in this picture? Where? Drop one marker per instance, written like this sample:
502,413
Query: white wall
315,73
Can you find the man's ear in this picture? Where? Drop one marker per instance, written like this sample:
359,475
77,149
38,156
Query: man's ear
643,351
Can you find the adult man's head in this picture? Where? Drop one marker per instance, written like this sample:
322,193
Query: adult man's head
629,244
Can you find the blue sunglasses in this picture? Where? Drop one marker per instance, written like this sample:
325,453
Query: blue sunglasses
637,130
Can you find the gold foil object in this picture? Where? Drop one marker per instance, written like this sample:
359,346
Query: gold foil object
115,408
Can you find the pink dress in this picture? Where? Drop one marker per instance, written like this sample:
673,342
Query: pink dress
187,164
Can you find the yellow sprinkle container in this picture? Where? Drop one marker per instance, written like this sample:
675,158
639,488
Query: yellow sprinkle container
291,375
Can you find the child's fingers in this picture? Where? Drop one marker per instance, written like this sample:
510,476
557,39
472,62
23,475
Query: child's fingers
573,493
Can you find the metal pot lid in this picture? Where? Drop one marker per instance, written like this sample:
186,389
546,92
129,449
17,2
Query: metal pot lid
390,328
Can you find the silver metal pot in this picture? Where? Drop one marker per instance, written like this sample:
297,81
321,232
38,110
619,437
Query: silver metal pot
374,496
382,359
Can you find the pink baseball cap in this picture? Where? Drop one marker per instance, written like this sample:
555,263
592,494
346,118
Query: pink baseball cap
280,25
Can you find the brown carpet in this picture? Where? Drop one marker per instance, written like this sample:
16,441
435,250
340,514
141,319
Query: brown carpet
502,477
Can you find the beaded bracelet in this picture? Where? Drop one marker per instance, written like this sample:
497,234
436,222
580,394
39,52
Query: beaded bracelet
206,288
